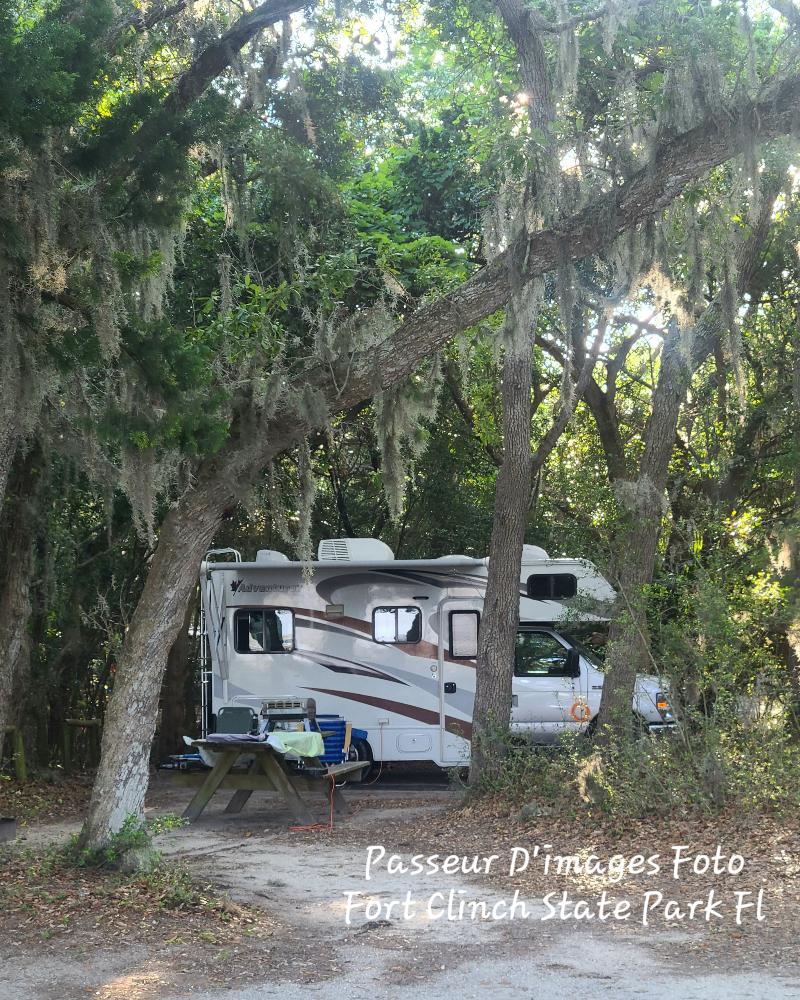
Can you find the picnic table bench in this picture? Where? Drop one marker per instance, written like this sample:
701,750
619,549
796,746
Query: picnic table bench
269,770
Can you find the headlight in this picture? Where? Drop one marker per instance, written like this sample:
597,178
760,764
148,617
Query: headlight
663,706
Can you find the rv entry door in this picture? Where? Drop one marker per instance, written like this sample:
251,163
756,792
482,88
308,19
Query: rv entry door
459,620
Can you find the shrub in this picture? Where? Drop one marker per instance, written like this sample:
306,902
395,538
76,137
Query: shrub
702,769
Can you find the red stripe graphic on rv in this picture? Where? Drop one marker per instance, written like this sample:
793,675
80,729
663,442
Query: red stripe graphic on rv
457,726
398,707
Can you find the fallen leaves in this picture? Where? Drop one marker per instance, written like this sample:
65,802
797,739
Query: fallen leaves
41,800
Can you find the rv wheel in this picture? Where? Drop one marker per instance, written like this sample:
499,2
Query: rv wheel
361,750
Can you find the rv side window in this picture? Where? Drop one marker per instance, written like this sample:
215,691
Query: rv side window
264,630
397,624
552,586
464,634
539,654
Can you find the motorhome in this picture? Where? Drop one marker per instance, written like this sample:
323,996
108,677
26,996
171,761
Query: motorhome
391,644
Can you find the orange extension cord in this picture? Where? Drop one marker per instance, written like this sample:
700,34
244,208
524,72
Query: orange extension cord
329,825
320,826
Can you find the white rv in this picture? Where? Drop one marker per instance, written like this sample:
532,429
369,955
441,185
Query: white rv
391,644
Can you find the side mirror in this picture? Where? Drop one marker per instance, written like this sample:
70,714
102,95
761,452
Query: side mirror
573,663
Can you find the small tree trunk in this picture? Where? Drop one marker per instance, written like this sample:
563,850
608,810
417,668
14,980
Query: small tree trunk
9,412
628,649
15,581
644,504
792,576
122,778
495,668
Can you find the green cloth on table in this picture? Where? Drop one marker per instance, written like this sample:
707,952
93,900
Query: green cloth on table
298,744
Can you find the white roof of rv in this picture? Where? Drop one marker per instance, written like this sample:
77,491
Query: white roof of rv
346,564
532,554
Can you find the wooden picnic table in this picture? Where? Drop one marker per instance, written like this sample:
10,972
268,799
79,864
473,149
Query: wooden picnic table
268,771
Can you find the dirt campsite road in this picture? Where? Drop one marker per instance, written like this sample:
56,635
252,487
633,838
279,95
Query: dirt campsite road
302,880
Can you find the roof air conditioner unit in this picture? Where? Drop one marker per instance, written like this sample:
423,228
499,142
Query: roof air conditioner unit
353,550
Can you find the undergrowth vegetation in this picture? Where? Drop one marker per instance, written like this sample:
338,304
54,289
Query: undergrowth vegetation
702,769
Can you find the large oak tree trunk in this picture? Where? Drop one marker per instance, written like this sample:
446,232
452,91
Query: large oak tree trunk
122,778
495,667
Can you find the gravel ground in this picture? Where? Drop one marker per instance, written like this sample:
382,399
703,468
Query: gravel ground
301,878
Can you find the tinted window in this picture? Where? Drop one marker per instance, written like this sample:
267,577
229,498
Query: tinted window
539,654
264,630
464,634
397,624
552,586
539,587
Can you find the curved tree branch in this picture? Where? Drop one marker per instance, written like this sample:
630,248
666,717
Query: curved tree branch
219,55
196,79
141,21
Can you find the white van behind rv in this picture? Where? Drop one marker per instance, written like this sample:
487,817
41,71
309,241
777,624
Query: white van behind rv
391,644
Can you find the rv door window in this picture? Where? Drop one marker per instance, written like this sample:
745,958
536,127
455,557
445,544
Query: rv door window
264,630
464,634
397,624
539,654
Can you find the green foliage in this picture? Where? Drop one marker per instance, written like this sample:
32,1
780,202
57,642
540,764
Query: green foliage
428,185
51,60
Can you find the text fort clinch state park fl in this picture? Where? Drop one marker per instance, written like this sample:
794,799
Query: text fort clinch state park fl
388,893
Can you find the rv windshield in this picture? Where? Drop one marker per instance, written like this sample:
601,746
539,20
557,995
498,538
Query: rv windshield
590,640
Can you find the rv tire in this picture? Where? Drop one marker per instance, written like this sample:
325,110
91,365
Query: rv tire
361,750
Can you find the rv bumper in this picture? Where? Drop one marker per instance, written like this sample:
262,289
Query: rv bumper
662,728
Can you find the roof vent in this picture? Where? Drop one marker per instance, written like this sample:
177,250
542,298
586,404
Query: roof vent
270,556
353,550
